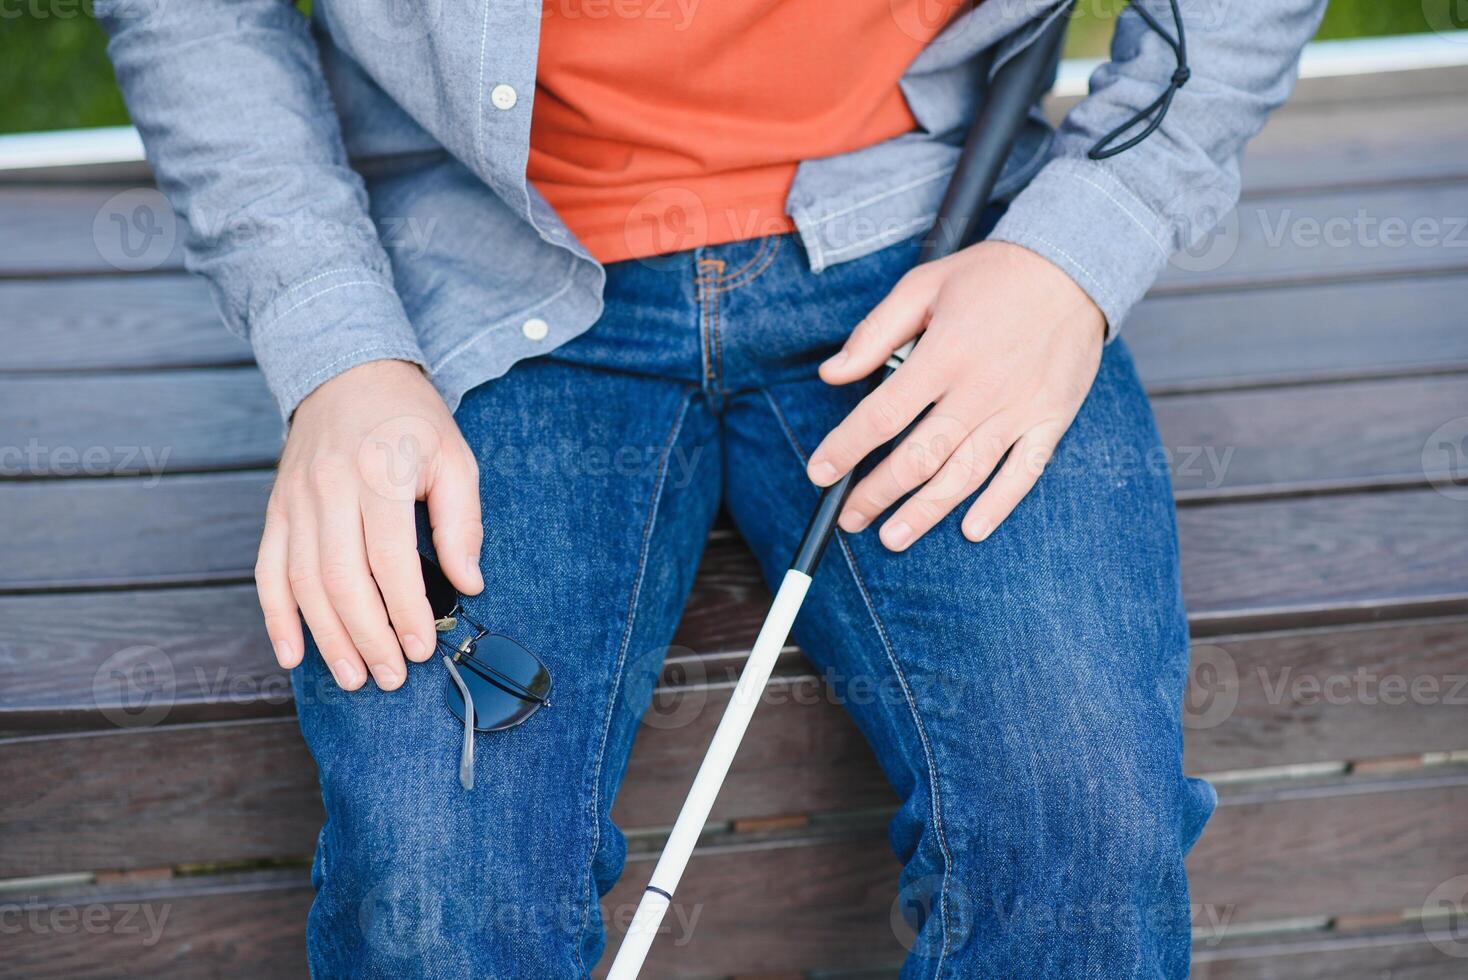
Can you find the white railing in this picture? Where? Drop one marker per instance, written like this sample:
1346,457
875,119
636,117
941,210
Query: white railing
110,145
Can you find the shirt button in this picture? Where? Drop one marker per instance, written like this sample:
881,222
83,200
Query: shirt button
535,328
503,96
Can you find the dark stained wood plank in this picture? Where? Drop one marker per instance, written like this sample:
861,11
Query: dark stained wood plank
1336,234
1273,563
224,926
187,655
141,423
1313,437
72,661
218,926
1346,845
1289,562
232,791
68,791
1337,848
1405,952
113,323
1291,334
1322,695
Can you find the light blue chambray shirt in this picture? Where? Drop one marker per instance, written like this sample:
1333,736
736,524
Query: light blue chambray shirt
355,189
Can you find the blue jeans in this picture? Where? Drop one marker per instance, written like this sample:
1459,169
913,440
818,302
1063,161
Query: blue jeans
1030,720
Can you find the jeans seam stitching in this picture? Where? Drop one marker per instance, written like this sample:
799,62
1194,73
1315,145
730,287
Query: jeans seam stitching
734,282
933,783
759,253
649,525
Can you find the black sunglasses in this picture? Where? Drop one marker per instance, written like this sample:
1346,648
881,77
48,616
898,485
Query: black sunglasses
501,683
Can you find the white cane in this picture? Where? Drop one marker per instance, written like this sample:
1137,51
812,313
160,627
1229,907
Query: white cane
1014,88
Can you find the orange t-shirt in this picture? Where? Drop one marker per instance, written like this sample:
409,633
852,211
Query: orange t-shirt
660,125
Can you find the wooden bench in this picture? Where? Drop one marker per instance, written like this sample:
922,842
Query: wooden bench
151,764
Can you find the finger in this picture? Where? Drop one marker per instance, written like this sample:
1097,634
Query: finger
331,637
272,585
963,473
879,417
910,464
1023,468
392,555
453,512
898,318
347,581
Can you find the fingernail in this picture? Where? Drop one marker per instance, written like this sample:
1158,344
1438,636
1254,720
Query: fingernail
348,675
415,649
977,530
471,568
837,359
896,535
283,653
822,473
854,521
388,677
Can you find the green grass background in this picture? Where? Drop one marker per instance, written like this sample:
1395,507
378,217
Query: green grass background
54,72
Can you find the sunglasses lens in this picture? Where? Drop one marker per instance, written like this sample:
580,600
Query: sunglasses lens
498,668
442,596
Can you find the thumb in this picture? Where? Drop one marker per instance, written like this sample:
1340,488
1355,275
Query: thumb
454,515
894,321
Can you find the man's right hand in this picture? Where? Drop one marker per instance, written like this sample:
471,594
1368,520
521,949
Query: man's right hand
340,543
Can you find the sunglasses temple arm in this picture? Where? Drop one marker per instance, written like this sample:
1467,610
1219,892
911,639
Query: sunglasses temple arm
466,757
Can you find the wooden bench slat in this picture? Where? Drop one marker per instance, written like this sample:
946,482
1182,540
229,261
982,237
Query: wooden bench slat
1396,141
1301,696
1349,845
1408,951
143,423
1256,564
1295,334
218,927
1273,440
1206,340
52,230
114,323
1335,234
1283,440
124,800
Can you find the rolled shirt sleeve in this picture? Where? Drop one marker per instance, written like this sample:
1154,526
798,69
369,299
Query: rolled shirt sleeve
1113,224
239,128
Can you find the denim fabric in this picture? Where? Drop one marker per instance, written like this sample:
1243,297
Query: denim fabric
1022,695
254,122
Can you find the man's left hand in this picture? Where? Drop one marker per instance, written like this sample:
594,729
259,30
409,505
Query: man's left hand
1010,346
